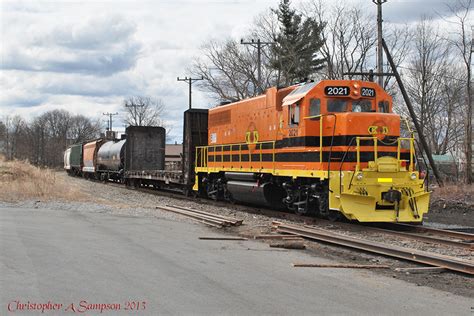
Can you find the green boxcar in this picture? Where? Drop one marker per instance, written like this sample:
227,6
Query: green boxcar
76,158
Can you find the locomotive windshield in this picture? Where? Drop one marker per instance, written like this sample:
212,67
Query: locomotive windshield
361,106
337,105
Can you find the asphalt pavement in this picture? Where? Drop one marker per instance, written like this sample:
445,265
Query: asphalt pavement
57,262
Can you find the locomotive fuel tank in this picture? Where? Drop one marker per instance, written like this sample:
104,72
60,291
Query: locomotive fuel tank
249,188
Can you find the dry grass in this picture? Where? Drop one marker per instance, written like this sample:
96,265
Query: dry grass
19,180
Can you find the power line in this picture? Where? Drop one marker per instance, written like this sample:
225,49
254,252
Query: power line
190,82
258,44
110,119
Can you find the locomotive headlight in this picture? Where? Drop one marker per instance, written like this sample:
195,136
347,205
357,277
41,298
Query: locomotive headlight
413,176
359,176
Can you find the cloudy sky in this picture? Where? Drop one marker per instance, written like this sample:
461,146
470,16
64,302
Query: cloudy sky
86,56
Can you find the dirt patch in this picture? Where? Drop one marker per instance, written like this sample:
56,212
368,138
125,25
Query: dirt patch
452,205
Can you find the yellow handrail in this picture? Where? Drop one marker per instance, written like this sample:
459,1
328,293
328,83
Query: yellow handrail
412,150
375,140
320,117
358,139
203,153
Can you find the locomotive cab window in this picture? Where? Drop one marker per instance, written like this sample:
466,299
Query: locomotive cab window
337,105
361,106
384,107
315,108
294,114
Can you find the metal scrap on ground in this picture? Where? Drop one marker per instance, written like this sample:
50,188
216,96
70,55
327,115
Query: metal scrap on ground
203,217
351,266
284,237
222,238
419,270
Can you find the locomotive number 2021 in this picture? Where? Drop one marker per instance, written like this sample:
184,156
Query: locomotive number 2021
337,91
367,92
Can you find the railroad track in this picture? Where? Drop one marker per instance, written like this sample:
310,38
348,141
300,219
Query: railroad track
418,256
434,231
411,232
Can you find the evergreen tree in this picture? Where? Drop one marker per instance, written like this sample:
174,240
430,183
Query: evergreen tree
295,54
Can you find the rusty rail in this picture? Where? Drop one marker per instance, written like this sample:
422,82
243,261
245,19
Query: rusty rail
434,231
203,217
449,263
424,238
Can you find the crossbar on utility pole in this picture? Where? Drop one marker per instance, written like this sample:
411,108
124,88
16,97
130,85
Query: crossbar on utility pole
379,39
370,74
110,118
258,44
190,82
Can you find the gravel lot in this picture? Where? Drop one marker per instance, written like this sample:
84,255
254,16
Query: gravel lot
116,199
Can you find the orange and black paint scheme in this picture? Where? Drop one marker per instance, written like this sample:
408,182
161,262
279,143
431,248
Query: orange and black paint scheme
331,148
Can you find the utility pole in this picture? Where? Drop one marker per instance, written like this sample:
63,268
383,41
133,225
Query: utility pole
379,39
423,141
190,82
110,118
258,44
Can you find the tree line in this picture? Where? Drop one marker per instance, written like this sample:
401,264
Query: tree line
318,41
42,140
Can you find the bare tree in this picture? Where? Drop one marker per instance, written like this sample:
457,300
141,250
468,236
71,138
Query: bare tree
83,128
429,62
14,128
143,111
349,37
463,42
229,70
43,140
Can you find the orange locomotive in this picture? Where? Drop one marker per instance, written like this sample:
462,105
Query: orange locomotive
332,148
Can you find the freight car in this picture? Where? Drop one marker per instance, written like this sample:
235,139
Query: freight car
73,160
110,160
89,158
140,158
145,154
331,148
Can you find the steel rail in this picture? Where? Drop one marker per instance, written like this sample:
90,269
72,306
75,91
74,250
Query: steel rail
436,231
429,239
204,217
231,221
378,248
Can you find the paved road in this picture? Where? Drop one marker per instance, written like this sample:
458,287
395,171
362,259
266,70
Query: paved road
65,257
